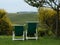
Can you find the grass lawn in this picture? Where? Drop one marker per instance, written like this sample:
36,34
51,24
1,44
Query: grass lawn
7,40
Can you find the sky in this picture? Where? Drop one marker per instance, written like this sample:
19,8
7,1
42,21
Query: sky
16,6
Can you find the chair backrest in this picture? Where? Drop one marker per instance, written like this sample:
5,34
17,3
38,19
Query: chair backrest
19,30
31,29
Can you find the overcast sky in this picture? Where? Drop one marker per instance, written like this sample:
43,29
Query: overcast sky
15,6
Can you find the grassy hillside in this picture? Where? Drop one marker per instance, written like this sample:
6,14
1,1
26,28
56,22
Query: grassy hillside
21,18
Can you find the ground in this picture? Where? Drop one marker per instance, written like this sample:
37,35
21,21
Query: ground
7,40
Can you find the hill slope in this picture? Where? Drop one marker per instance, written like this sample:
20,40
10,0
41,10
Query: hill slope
21,18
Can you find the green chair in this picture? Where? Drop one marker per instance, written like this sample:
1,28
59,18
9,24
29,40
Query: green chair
18,32
31,32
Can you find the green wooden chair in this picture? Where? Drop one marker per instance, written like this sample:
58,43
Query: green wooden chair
31,32
18,32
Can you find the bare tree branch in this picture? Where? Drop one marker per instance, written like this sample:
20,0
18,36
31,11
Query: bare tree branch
51,5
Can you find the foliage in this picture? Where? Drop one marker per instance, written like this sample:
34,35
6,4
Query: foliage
5,24
46,13
2,13
47,18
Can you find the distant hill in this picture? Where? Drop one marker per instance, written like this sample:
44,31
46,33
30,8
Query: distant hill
22,17
27,12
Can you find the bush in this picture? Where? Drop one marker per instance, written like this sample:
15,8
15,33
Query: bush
5,24
47,19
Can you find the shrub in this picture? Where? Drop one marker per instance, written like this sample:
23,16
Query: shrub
47,19
5,24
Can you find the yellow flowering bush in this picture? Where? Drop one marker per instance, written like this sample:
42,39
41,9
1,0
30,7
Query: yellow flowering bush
5,23
47,19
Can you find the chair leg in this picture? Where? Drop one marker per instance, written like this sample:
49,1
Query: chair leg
36,34
26,34
13,36
23,36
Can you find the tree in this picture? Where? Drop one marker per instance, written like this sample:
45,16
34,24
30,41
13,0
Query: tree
54,4
44,3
